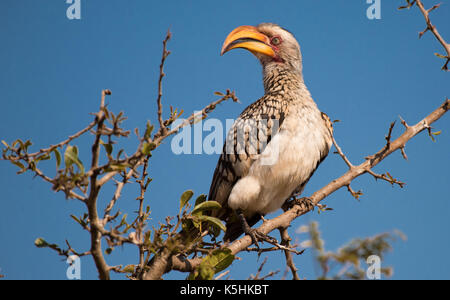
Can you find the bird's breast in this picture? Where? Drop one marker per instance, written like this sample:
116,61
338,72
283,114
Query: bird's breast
286,163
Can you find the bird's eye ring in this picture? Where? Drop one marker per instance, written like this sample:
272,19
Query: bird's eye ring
276,40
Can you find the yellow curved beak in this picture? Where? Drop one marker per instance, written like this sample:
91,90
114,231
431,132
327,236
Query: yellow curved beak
248,37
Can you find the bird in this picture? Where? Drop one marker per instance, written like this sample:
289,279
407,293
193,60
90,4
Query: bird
276,144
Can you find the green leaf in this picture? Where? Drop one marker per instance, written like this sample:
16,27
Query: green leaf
206,272
57,156
118,167
124,220
221,259
185,197
207,205
19,164
212,220
200,199
71,157
108,147
40,243
42,157
128,269
215,262
148,130
119,153
76,219
437,132
148,147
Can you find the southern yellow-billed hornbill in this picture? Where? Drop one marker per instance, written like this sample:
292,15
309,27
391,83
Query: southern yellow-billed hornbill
277,142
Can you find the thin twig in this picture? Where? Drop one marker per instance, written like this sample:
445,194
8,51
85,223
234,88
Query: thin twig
285,240
433,29
161,76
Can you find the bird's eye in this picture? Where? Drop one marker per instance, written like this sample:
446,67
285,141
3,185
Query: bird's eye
276,41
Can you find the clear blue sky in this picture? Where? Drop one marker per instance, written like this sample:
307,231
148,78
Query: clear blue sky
363,72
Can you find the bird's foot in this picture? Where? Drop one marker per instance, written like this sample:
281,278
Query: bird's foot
257,237
305,203
254,234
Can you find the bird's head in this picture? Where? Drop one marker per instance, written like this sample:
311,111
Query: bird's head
270,43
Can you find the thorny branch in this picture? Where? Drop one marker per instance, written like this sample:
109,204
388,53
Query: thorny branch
91,181
432,28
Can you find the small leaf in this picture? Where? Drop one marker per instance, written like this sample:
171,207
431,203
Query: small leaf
5,143
200,199
437,133
212,220
185,197
71,157
440,55
148,147
207,205
108,147
123,221
57,156
128,269
76,219
108,251
221,259
40,243
119,153
42,157
215,262
118,167
148,130
219,94
390,176
19,164
206,272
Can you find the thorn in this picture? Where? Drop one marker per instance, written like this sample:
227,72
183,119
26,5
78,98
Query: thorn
404,122
434,7
402,149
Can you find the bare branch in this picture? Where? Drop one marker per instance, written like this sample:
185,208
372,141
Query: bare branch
285,240
432,28
387,177
161,76
341,153
91,203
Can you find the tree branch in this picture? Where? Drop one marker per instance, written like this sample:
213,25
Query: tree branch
91,203
432,28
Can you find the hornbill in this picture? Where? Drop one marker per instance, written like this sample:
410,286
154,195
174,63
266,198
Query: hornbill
277,142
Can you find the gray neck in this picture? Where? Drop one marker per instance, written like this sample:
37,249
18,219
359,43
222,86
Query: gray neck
281,79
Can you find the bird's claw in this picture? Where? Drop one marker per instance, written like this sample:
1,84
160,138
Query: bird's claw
305,203
257,236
